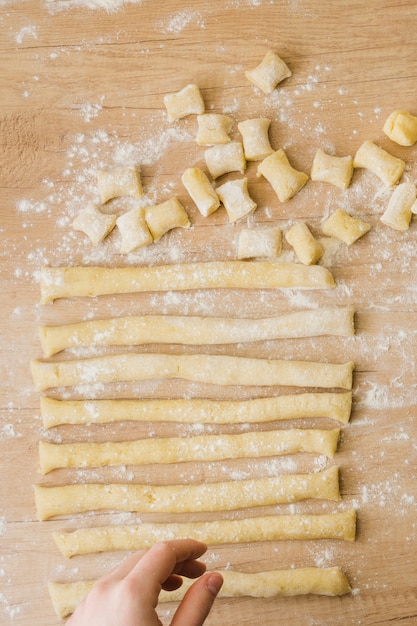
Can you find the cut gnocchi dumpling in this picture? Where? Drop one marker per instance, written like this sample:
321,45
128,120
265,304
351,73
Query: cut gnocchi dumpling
284,179
383,164
270,71
256,144
398,213
345,227
134,230
259,242
225,158
95,224
120,181
306,247
184,102
401,127
236,199
165,216
200,190
213,128
332,169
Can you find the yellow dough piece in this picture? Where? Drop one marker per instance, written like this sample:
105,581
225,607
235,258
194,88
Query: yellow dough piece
330,581
387,167
204,368
180,449
283,178
192,330
224,496
335,406
269,73
120,181
295,527
64,282
401,127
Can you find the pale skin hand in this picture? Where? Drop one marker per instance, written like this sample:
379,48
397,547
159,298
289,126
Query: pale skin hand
128,595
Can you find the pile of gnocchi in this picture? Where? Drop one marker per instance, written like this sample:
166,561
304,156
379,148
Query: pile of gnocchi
144,225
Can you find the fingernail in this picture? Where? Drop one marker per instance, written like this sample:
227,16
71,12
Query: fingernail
214,584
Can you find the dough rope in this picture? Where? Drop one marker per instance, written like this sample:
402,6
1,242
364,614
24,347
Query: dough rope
336,406
293,527
192,330
181,449
65,282
203,368
331,581
219,496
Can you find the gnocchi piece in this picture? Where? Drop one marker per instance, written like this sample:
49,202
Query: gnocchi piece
399,210
306,247
256,143
213,128
259,242
134,230
236,199
95,224
225,158
401,127
384,165
120,181
284,179
163,217
345,227
332,169
270,71
184,102
201,190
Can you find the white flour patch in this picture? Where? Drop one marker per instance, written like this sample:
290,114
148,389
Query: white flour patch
111,6
178,21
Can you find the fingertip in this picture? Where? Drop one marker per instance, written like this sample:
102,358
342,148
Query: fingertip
214,583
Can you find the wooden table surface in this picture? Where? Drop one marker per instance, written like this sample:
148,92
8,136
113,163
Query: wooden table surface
82,85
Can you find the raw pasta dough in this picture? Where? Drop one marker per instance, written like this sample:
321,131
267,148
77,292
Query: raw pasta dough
63,282
335,406
136,330
295,527
224,496
307,580
204,368
181,449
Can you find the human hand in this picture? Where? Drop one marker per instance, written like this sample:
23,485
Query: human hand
128,595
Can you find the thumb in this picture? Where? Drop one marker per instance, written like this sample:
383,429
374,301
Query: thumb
198,600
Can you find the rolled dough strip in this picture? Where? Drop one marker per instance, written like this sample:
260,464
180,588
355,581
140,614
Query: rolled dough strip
64,282
268,528
180,449
330,581
224,496
136,330
335,406
203,368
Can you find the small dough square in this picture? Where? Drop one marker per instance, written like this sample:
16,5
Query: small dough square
184,102
255,137
259,243
134,231
95,224
401,127
163,217
201,190
270,71
225,158
345,227
306,247
213,128
236,199
332,169
120,181
384,165
283,178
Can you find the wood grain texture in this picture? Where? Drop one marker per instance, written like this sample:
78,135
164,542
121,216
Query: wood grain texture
82,89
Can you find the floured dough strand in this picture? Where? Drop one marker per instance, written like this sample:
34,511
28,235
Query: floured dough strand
295,527
192,330
64,282
224,496
335,406
181,449
202,368
331,581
